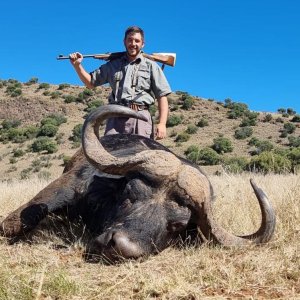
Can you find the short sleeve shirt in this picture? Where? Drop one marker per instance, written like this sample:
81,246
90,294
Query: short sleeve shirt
141,80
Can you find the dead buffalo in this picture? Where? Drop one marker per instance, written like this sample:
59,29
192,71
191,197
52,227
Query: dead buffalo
134,196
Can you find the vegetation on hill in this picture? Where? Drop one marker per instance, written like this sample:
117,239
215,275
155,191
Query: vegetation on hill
40,120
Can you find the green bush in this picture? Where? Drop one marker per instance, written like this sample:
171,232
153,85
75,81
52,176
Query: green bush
7,124
174,120
92,105
76,133
296,118
270,162
294,141
205,156
268,118
62,86
45,86
44,143
182,137
235,165
289,127
262,146
55,95
222,145
54,119
281,110
69,98
188,102
32,80
290,111
18,152
48,130
202,122
191,129
253,141
236,109
243,133
208,156
85,94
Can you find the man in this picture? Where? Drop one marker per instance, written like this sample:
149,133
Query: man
135,81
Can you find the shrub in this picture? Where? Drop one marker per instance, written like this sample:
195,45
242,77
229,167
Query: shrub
208,156
243,133
7,124
54,119
202,122
281,110
17,92
48,130
188,102
237,110
152,110
76,133
222,145
69,98
294,141
174,120
18,152
32,80
63,86
268,118
45,86
93,105
44,143
235,165
290,111
296,118
289,127
55,95
253,141
182,137
85,94
270,162
191,129
262,146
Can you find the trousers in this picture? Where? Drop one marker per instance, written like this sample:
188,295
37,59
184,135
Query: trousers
130,125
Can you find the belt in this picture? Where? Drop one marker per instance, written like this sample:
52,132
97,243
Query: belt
138,107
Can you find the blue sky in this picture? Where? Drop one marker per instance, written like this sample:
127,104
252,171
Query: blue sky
245,50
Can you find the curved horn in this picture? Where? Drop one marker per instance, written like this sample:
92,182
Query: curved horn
262,235
93,149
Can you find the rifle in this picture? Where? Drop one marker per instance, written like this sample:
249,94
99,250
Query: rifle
164,58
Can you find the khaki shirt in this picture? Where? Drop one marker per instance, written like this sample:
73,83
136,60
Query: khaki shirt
140,81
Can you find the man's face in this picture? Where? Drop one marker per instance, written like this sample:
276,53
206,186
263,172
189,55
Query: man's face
133,44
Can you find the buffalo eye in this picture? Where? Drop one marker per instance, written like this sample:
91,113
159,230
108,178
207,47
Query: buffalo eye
126,204
176,226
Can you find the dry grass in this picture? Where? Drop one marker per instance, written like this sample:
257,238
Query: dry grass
38,271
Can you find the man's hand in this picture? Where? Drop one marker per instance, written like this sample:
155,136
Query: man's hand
161,131
76,58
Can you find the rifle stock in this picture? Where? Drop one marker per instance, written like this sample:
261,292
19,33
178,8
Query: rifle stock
164,58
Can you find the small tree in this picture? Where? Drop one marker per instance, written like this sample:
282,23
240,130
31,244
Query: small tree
270,162
44,143
289,127
243,133
222,145
174,120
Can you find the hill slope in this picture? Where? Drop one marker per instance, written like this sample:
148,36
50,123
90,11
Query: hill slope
32,102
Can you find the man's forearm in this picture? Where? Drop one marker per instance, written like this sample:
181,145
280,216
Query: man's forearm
84,76
163,108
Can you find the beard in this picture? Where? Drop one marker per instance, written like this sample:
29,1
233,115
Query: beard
133,52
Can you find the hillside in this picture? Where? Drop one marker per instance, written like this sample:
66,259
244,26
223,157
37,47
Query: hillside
26,104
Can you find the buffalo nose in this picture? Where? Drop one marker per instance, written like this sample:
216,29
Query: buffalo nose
116,244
